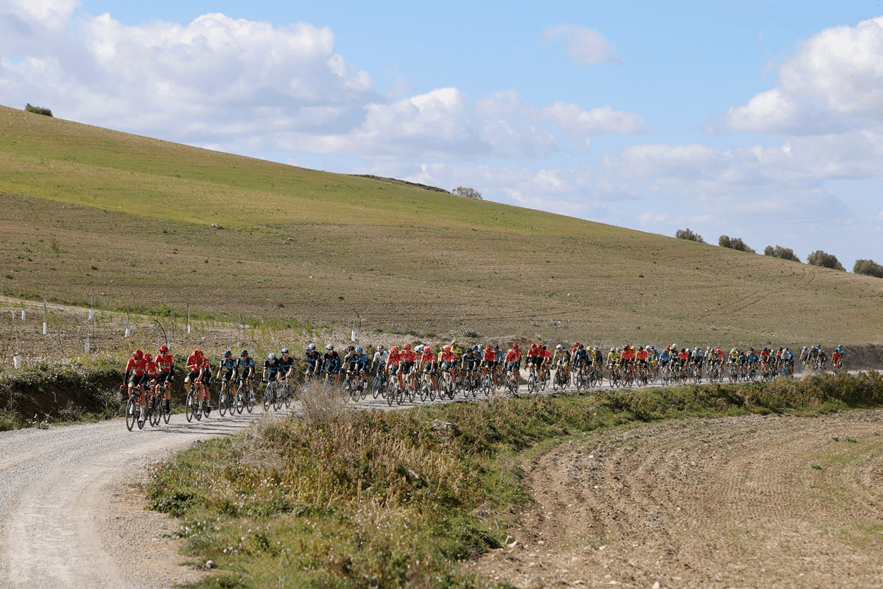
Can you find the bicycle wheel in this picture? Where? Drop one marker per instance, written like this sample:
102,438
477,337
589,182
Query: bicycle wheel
188,407
268,397
376,386
166,410
249,400
154,412
131,413
531,383
277,398
222,402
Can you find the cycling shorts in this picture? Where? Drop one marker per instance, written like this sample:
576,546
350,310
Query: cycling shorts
163,377
194,374
226,375
137,379
393,369
407,367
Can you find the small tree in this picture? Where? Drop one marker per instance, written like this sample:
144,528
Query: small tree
38,110
688,235
734,243
825,260
784,253
868,268
467,192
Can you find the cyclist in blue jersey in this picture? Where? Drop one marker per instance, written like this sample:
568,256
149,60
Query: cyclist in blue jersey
286,365
227,367
313,359
271,368
245,371
331,364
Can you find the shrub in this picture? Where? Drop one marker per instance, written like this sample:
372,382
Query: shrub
38,110
784,253
734,243
467,192
868,268
825,260
688,235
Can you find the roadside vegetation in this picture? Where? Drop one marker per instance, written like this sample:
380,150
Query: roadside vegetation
398,499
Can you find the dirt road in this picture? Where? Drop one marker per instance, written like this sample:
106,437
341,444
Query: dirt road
712,503
69,516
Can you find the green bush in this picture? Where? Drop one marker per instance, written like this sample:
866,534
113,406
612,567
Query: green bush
38,110
734,243
784,253
868,268
688,235
825,260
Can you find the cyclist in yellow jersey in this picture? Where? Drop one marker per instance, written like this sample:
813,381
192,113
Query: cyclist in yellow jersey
612,357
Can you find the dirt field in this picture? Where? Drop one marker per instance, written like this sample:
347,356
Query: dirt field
744,502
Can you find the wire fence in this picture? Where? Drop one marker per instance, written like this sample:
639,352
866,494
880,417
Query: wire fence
38,332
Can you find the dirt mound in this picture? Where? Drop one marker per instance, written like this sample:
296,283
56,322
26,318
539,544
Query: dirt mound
753,501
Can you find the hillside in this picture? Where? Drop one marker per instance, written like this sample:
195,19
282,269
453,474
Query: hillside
142,223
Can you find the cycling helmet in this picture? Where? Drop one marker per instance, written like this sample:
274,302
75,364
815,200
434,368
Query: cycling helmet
360,350
419,348
408,346
148,357
640,348
394,350
311,347
197,352
351,348
137,354
496,348
271,356
514,345
243,353
446,348
329,347
164,348
284,351
559,347
228,353
380,348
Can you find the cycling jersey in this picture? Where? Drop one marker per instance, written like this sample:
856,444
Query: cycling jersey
152,369
228,363
331,362
245,367
165,362
271,368
313,360
136,366
285,365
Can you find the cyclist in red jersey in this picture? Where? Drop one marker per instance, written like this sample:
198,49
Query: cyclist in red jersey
136,369
489,362
448,361
197,365
393,360
166,364
428,364
513,361
546,355
408,358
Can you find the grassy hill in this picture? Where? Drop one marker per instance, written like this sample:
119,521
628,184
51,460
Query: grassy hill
142,223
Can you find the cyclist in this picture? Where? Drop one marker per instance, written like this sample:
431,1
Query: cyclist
470,361
245,371
331,363
581,359
837,357
407,359
429,365
545,363
393,360
448,361
286,365
197,365
513,361
380,358
313,359
151,378
488,363
561,359
226,369
136,368
166,364
272,368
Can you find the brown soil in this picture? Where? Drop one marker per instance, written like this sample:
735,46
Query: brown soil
763,501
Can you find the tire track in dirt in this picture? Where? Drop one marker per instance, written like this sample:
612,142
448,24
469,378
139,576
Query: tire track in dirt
752,501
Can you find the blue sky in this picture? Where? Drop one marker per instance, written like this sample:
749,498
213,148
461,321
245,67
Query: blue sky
759,120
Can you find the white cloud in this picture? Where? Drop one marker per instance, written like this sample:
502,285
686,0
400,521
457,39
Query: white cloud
832,83
584,46
598,121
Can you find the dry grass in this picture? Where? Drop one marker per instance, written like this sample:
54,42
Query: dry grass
320,404
129,220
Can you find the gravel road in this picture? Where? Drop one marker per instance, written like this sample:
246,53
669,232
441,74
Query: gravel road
69,516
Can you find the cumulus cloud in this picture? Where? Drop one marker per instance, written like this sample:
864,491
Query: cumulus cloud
597,121
584,46
833,82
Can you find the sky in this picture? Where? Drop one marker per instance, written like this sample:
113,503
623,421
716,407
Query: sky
761,120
